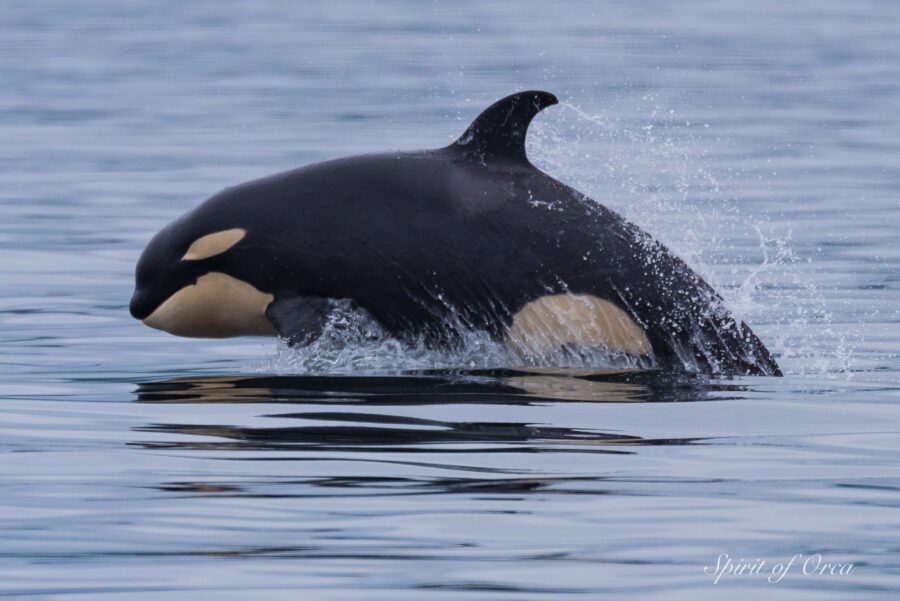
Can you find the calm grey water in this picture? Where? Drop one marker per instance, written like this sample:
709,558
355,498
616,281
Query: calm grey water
760,140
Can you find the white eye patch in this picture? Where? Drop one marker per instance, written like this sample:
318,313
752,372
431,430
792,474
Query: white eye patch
213,244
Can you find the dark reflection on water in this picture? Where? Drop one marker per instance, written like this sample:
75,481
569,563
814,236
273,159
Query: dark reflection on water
349,438
359,431
382,435
445,386
379,486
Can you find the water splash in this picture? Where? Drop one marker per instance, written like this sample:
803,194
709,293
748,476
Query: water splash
353,342
656,171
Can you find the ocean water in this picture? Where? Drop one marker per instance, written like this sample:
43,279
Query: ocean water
760,141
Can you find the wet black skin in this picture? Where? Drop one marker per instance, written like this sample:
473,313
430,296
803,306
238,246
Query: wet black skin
466,234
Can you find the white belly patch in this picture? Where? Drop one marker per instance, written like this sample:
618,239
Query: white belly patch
217,306
551,322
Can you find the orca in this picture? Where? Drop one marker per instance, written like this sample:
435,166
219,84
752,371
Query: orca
432,243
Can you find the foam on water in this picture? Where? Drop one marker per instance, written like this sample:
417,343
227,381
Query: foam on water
353,343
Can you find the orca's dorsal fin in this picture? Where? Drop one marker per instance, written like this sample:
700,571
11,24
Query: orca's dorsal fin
499,131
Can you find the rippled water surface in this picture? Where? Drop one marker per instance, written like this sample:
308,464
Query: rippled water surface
758,140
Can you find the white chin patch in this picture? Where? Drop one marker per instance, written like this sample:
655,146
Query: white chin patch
551,322
217,306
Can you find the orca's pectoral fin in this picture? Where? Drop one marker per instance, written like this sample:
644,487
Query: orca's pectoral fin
498,133
299,319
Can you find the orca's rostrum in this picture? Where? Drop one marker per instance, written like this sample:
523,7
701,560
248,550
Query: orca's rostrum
470,236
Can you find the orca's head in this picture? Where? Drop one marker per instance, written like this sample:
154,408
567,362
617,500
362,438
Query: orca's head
185,284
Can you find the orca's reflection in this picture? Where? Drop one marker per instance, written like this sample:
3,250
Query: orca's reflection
369,424
356,431
444,387
342,486
367,428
